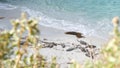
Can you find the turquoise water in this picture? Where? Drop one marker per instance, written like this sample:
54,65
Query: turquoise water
91,17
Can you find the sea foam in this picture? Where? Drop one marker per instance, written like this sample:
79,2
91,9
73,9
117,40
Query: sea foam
99,29
55,23
7,6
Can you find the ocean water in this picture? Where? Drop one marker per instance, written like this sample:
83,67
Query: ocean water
91,17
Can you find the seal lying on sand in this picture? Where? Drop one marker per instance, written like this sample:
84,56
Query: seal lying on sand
77,34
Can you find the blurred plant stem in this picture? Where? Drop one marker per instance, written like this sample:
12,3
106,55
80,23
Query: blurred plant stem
109,57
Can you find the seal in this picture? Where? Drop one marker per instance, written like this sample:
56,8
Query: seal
77,34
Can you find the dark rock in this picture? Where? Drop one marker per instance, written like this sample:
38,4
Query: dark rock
70,49
2,17
54,44
63,45
50,46
82,42
91,46
45,39
89,55
22,42
83,49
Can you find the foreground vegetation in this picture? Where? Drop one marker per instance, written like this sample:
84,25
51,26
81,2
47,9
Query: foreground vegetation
15,45
109,56
14,51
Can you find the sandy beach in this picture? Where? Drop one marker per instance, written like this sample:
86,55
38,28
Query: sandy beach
49,34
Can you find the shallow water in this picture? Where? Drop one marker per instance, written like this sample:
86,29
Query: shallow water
91,17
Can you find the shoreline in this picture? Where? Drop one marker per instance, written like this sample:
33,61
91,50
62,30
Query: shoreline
57,36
